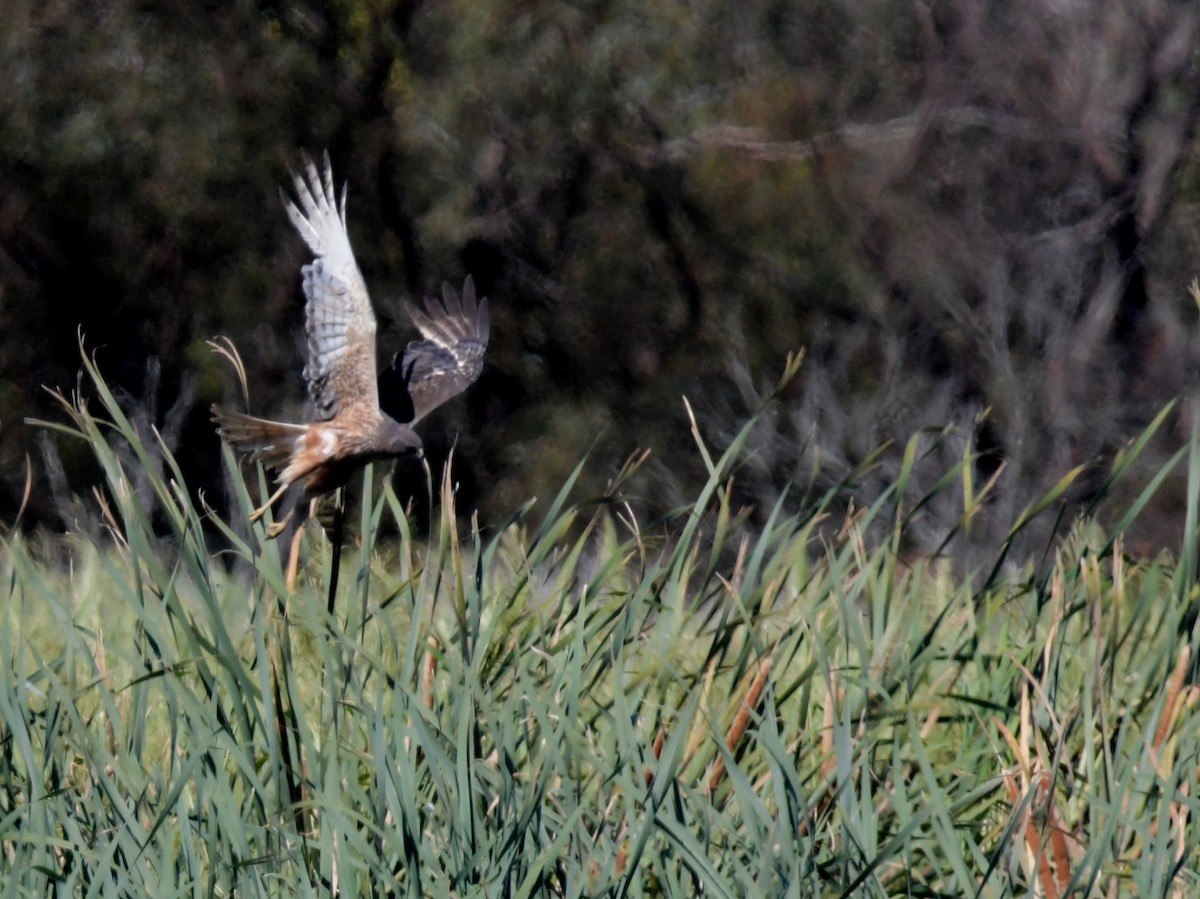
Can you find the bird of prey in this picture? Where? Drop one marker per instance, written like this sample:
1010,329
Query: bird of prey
349,428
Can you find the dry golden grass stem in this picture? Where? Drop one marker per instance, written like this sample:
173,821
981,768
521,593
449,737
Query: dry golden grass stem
1053,867
26,493
1171,706
742,720
829,763
827,720
110,520
659,739
1046,842
225,347
1058,833
699,733
428,672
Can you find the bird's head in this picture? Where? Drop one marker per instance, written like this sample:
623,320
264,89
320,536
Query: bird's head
395,439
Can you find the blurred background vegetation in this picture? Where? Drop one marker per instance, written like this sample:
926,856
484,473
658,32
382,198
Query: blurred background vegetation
957,209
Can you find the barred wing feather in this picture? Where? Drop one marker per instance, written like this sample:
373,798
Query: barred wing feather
446,362
338,319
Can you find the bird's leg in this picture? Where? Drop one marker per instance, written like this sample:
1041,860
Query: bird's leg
274,530
262,510
294,559
294,555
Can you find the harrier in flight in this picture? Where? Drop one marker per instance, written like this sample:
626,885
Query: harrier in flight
349,427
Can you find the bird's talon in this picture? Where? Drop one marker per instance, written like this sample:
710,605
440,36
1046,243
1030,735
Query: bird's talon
276,528
262,510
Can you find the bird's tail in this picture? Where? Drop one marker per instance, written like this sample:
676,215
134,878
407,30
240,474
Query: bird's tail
271,442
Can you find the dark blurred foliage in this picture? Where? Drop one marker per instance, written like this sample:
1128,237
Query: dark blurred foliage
955,207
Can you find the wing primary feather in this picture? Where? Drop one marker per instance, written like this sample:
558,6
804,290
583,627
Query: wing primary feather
451,304
454,320
450,357
339,321
468,297
299,221
327,182
483,324
434,324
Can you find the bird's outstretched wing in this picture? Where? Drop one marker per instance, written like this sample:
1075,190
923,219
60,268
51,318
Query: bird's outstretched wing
441,366
337,318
